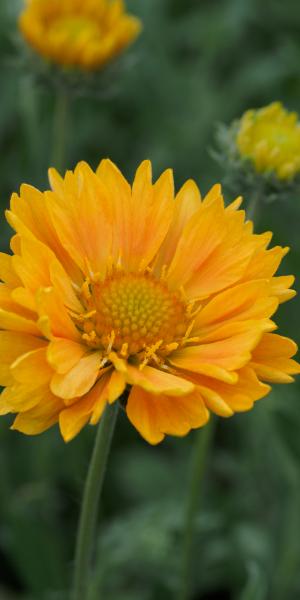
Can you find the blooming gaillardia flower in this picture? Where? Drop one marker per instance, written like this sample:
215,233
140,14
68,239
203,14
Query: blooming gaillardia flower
117,291
86,34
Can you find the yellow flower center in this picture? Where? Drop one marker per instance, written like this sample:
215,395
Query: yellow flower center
135,312
73,28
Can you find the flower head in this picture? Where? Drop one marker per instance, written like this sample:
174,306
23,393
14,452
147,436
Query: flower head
270,138
115,289
74,33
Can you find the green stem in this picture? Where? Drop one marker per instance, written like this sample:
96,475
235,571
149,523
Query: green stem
30,117
90,502
201,447
60,130
253,206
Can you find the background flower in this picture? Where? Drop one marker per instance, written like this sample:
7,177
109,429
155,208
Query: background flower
78,34
270,138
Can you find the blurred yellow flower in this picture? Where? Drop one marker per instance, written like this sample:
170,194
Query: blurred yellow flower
115,288
270,138
78,33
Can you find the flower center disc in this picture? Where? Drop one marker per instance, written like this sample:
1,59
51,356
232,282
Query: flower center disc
138,311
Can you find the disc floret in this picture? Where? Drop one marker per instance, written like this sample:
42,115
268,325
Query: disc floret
133,314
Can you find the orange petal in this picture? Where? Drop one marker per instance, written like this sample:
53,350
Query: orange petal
232,304
223,268
116,386
32,368
187,202
63,285
153,416
200,237
190,362
63,355
142,414
100,393
265,263
227,355
41,417
224,399
158,382
74,418
216,332
79,380
272,360
7,272
8,303
32,266
152,213
179,416
24,297
13,345
14,322
215,402
280,287
81,220
50,306
21,397
119,192
30,216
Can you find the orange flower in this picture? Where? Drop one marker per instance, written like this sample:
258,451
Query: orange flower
113,288
78,33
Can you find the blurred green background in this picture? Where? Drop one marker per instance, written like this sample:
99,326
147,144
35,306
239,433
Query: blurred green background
197,62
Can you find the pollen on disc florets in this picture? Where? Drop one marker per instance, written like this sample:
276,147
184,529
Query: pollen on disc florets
137,309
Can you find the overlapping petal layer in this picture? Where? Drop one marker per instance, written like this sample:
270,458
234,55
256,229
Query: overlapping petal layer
115,289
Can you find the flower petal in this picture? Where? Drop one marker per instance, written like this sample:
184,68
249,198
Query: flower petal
234,303
220,358
13,345
200,237
32,368
152,213
80,217
116,386
100,393
13,322
75,417
153,416
186,204
158,382
41,417
7,272
121,211
21,397
142,414
63,355
51,307
272,360
79,380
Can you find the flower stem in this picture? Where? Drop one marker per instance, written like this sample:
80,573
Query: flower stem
253,206
28,102
91,496
203,440
60,130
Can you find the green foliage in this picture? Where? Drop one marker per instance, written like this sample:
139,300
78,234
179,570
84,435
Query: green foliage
195,64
